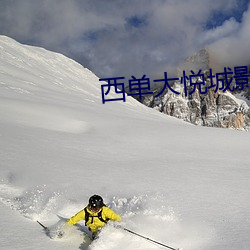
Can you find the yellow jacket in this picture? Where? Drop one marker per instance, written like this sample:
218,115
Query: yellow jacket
94,223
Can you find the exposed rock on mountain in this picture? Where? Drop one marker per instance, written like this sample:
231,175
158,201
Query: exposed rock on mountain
215,108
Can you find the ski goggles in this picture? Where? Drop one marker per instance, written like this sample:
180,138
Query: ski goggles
94,208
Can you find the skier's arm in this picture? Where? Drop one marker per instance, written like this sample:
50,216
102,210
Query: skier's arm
110,214
77,217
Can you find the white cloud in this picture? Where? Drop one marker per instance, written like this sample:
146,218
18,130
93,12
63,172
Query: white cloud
228,28
234,49
97,32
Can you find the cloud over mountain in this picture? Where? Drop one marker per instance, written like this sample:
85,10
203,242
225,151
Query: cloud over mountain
124,38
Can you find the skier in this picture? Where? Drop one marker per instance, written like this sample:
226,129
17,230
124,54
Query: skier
95,214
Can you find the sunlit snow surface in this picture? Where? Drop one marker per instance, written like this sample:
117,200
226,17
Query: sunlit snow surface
181,185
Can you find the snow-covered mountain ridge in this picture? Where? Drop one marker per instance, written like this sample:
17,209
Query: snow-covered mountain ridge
42,77
183,185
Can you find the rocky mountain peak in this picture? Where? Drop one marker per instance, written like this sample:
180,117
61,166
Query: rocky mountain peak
215,108
195,62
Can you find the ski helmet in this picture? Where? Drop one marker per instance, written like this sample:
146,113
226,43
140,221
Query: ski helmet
95,202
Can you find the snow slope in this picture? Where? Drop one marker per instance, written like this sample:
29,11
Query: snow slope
176,183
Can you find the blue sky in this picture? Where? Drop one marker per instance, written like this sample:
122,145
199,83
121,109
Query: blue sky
117,38
218,17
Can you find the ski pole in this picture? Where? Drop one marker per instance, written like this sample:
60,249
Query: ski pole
45,228
146,238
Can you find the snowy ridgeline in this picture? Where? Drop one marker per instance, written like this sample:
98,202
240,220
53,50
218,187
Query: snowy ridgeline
182,185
